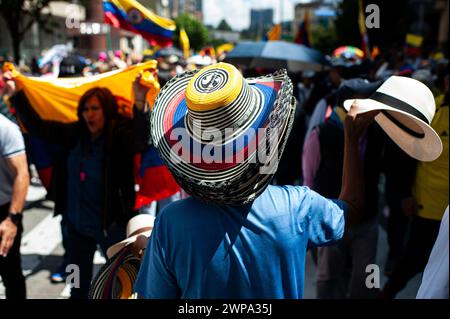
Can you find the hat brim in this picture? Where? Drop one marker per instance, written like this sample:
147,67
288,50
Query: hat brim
114,249
116,278
231,181
426,147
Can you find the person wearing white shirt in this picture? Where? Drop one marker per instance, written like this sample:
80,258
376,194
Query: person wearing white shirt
435,277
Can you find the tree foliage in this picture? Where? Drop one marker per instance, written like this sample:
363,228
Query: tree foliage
20,15
196,31
396,18
324,38
347,23
224,26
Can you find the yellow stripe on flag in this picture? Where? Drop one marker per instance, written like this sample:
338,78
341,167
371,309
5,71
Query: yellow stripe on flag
184,43
274,33
57,99
414,40
128,5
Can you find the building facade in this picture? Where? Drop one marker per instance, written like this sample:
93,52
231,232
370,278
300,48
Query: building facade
192,7
261,20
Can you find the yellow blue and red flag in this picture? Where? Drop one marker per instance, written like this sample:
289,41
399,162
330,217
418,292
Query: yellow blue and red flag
133,16
184,43
363,30
274,34
57,100
303,35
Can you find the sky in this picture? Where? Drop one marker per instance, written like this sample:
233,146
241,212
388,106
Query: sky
237,12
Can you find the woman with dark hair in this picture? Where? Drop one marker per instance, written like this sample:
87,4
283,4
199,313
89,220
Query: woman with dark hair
93,181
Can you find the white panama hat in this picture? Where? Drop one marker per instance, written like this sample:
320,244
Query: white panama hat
140,225
407,109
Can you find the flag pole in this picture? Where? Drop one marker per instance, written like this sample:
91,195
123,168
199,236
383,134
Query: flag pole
281,18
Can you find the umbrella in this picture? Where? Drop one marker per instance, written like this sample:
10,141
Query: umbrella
72,66
169,51
56,53
348,52
277,55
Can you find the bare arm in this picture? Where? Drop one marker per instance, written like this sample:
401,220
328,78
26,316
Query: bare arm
19,166
352,189
8,230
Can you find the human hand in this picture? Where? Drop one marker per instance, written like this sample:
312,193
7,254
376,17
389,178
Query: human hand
355,124
139,246
140,93
8,231
10,85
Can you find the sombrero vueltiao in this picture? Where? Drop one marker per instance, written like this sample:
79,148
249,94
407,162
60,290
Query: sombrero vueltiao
116,277
407,108
205,126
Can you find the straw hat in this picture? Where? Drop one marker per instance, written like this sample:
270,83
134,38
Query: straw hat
116,278
140,225
212,126
407,109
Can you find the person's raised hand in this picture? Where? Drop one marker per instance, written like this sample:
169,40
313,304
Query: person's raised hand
140,93
10,85
139,245
355,124
8,231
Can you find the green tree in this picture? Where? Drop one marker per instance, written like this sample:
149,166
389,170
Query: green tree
324,38
20,15
396,18
347,29
196,31
224,26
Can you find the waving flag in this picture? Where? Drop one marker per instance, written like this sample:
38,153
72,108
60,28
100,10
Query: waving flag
303,34
184,43
274,33
57,100
132,16
413,44
363,30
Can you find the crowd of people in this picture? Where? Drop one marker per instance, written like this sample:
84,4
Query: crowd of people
340,175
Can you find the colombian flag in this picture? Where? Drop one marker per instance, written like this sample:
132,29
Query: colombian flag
132,16
184,43
363,30
303,35
274,33
413,44
57,100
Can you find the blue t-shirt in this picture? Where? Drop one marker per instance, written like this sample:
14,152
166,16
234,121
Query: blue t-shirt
200,250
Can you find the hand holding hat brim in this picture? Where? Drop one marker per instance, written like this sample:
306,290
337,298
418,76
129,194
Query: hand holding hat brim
421,143
356,123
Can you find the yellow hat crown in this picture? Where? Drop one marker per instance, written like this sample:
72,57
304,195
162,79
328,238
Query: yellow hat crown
213,87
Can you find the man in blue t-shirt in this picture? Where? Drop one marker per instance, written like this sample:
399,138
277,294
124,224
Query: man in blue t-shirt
202,249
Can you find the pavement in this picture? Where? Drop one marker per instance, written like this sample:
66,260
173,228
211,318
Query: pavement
42,252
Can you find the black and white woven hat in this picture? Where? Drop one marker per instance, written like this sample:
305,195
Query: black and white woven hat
217,131
117,276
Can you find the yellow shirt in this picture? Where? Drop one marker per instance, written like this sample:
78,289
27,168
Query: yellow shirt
431,184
